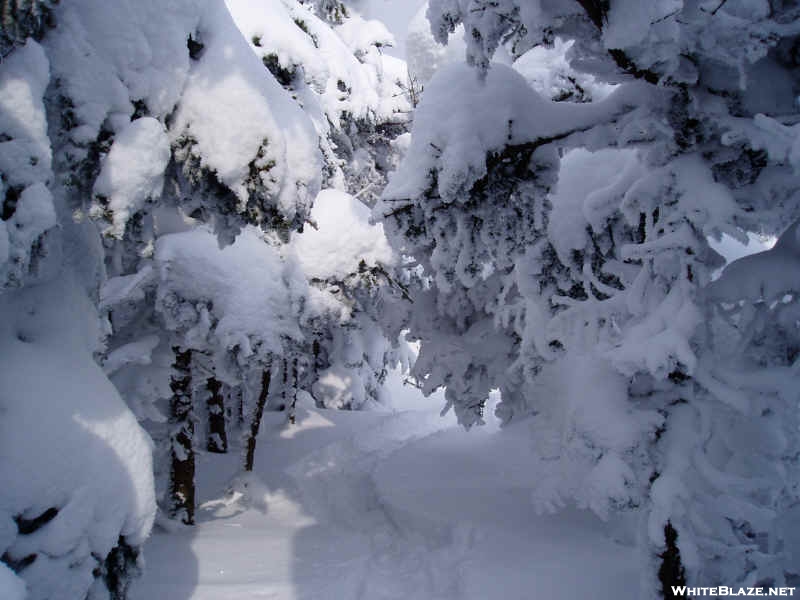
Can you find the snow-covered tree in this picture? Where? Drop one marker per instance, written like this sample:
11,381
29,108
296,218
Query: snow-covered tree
565,250
329,58
351,295
77,500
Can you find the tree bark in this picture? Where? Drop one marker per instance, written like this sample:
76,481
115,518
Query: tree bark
596,10
255,423
293,405
217,437
671,573
182,491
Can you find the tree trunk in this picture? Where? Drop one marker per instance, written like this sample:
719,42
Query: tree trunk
671,573
182,450
239,392
217,437
293,405
285,377
255,423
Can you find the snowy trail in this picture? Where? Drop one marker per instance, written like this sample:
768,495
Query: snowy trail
377,506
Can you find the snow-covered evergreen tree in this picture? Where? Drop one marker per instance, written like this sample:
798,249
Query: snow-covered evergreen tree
565,246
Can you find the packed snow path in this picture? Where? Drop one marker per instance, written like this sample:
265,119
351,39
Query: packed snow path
382,506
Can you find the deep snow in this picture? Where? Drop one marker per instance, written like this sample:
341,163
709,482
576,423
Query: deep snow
383,505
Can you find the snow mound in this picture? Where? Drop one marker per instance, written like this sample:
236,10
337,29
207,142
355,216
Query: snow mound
11,586
84,481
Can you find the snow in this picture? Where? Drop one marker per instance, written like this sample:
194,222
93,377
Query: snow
88,458
24,75
589,190
424,54
547,69
396,16
11,586
107,55
384,506
340,239
462,118
341,65
239,119
33,217
243,287
25,160
133,170
764,276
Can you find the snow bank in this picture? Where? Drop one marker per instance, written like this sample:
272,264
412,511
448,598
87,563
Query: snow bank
11,586
81,454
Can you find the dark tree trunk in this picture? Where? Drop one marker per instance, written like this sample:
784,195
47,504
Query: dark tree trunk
315,351
217,437
120,569
293,404
255,423
182,450
671,572
239,392
596,10
285,381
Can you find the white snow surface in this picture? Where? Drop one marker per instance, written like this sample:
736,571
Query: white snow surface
11,586
383,506
341,238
